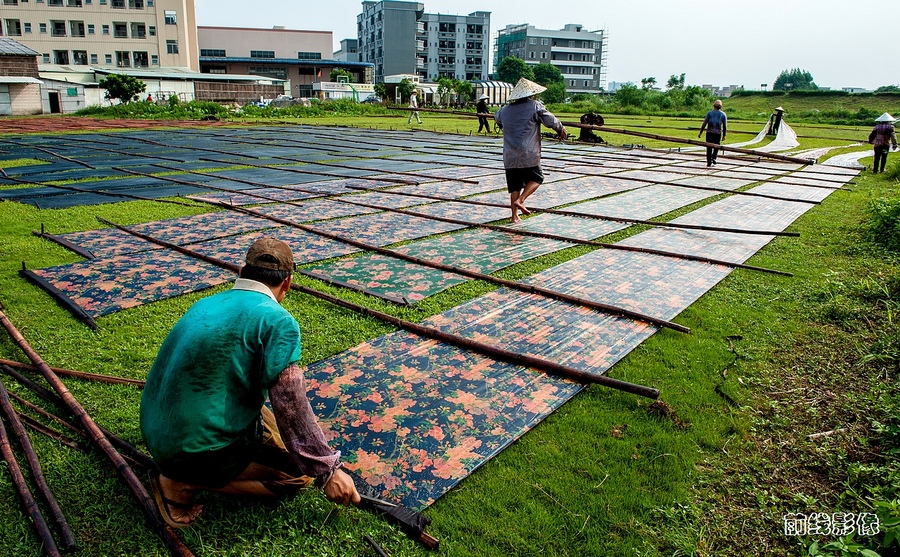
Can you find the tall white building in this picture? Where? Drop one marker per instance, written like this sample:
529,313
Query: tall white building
400,38
580,55
105,33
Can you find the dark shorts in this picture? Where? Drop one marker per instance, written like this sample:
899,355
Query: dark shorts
518,178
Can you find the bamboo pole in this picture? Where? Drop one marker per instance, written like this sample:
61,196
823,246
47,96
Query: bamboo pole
37,473
31,506
145,500
431,332
131,452
79,374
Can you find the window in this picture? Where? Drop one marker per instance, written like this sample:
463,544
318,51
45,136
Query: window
94,59
138,31
76,28
106,29
171,17
149,3
10,2
27,27
213,52
136,4
477,29
42,27
55,3
532,40
545,42
46,58
61,57
543,55
58,28
172,47
73,3
262,54
108,56
120,30
151,30
141,59
447,27
531,54
79,57
102,2
268,71
123,59
90,28
118,4
154,60
13,27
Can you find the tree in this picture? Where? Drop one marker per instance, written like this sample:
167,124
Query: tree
339,72
511,69
405,87
648,83
675,82
630,95
546,74
463,89
888,89
445,87
794,80
380,90
125,88
555,93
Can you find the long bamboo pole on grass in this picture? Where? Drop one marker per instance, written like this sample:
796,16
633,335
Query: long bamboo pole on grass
430,332
21,486
130,451
145,500
79,374
37,473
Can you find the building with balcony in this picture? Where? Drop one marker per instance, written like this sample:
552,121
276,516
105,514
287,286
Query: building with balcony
105,33
302,58
400,38
455,46
580,55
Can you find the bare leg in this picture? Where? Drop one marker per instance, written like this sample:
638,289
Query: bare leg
513,205
530,188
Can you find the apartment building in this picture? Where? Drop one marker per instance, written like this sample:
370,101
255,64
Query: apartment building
105,33
400,38
455,46
580,55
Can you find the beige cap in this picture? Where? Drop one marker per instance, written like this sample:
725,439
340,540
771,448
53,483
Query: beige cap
269,253
525,88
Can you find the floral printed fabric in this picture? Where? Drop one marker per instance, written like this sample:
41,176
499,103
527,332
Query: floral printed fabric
103,286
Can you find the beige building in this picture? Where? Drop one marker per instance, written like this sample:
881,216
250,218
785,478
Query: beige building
105,33
302,58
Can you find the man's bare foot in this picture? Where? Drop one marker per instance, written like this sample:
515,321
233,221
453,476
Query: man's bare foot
522,208
174,502
515,220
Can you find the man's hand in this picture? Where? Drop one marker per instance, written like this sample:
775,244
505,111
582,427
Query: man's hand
340,489
563,134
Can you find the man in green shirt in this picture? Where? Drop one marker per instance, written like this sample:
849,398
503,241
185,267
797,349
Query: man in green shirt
203,415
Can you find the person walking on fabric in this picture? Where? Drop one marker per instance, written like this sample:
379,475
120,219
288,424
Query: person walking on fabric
203,416
482,108
716,125
413,107
521,121
883,138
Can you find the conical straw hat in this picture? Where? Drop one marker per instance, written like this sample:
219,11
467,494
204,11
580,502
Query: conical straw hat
525,88
885,118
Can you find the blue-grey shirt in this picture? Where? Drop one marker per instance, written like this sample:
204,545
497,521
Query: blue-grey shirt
717,122
521,122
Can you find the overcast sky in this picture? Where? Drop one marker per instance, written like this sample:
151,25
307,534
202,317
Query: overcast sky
725,42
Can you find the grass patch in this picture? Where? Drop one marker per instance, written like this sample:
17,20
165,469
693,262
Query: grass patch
709,472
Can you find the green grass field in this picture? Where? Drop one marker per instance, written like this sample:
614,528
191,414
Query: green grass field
709,471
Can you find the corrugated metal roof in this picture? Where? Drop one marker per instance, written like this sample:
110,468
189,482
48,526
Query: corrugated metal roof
183,73
286,62
10,47
18,79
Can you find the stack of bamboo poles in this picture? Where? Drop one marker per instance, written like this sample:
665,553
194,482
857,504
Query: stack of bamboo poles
99,437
